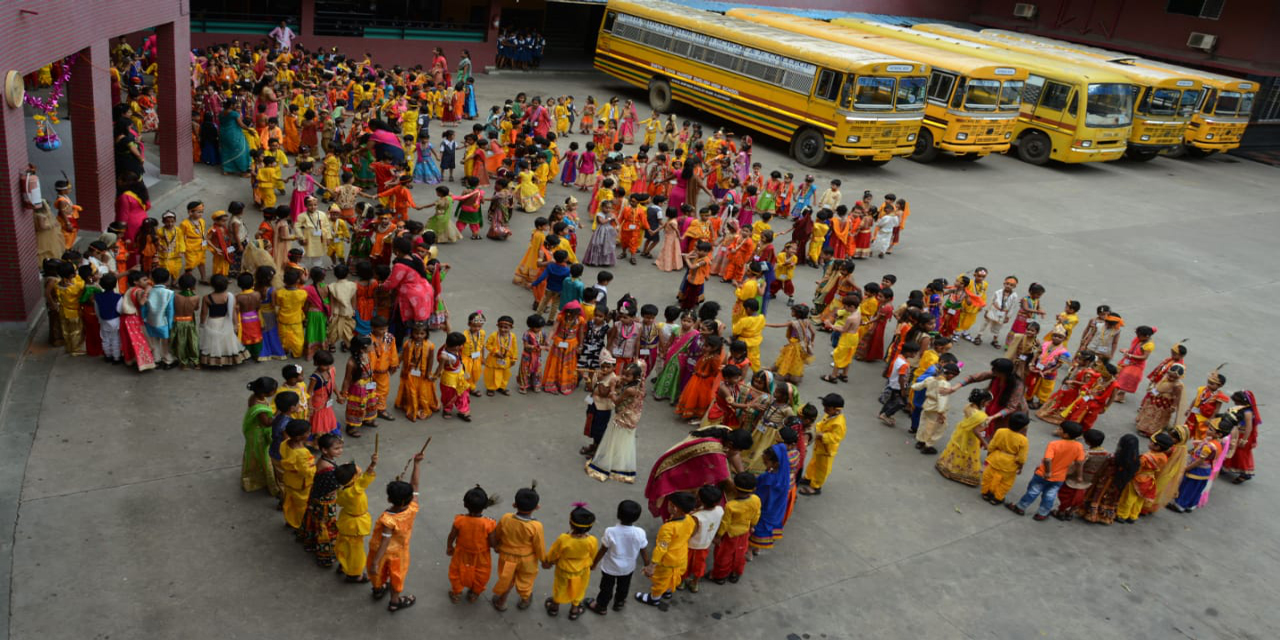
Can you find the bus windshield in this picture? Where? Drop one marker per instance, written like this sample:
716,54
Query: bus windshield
911,93
1189,101
1011,95
1161,102
982,95
1231,103
1109,105
868,93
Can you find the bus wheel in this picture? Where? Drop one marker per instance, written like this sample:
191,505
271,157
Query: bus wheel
1197,152
1177,151
660,95
1034,147
1137,155
872,162
924,151
970,157
809,148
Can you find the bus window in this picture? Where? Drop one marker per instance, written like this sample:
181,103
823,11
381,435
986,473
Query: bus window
1010,95
1032,89
1055,96
1072,108
1109,105
910,93
1234,103
608,21
1159,102
957,98
870,93
1210,101
1188,104
940,86
982,95
828,85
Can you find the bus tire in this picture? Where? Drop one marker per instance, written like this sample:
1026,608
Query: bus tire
809,148
1034,148
660,95
925,151
872,162
1179,150
1137,155
1198,153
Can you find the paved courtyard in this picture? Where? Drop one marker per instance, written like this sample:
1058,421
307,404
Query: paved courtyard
131,522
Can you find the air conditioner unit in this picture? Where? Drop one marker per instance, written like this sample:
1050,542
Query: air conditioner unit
1202,41
1024,10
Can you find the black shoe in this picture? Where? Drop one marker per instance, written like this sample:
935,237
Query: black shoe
919,445
929,451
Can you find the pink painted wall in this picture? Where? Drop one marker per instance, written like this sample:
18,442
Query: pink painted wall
1245,30
385,52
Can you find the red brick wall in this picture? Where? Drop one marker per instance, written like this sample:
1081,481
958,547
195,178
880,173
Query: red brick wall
28,41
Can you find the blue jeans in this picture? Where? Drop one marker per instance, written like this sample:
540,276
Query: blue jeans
1043,489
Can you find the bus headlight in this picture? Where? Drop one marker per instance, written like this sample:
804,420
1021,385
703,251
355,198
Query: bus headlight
1145,138
911,137
1008,134
962,136
1209,137
1086,143
852,139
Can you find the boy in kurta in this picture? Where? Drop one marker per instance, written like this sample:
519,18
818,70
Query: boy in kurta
68,213
389,544
289,304
354,522
1006,453
342,301
384,359
68,292
671,550
750,330
399,198
193,231
632,224
733,537
750,289
297,470
500,355
468,546
417,394
828,433
268,176
572,554
518,541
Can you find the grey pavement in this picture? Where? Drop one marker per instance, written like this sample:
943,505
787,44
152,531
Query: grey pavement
131,523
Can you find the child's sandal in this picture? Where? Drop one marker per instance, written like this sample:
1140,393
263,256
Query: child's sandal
455,598
524,603
403,603
575,612
472,596
489,393
379,592
552,608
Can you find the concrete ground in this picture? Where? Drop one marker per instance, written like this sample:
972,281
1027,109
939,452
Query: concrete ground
131,523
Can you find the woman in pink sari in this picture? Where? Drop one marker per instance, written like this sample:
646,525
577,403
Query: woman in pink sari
134,347
415,299
440,68
132,205
708,456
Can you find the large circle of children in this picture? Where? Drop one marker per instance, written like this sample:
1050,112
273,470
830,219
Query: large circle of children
725,492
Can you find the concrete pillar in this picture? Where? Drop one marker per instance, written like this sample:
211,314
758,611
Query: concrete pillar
307,20
19,273
173,91
89,96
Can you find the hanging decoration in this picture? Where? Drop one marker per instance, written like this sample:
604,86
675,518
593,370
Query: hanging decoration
46,137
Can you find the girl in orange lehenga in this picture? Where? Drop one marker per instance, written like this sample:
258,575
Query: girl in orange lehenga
561,374
417,395
701,389
1084,378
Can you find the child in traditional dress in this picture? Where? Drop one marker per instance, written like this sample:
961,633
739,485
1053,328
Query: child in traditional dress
1006,453
828,433
453,378
417,395
384,359
468,546
342,303
106,303
708,515
572,555
671,551
360,392
186,333
518,541
1071,495
389,545
534,343
354,522
321,390
741,514
500,354
66,295
289,305
297,470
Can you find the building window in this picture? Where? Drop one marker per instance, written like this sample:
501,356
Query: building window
1208,9
1267,106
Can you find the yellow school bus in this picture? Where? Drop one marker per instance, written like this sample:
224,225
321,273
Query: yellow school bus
1162,101
1069,113
1220,114
823,98
971,104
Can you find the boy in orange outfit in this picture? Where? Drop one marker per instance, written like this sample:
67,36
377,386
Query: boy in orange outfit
518,539
389,545
671,551
468,546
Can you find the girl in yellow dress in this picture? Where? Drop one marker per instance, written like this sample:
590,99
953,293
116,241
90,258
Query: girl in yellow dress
289,304
298,470
962,459
417,395
332,173
572,554
847,324
562,117
473,351
798,351
527,191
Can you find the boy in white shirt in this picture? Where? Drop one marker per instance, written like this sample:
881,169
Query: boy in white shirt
894,397
617,559
933,415
708,516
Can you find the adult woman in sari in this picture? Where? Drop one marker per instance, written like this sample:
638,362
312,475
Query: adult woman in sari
1007,391
384,142
232,145
1248,420
414,297
1159,408
667,386
706,456
440,67
772,487
128,149
132,204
